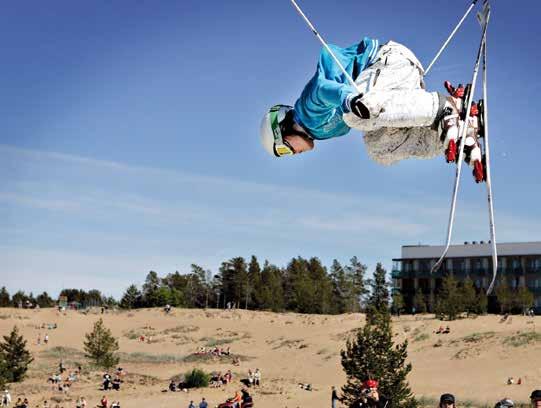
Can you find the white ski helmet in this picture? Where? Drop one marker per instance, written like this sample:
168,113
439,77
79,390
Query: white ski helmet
271,131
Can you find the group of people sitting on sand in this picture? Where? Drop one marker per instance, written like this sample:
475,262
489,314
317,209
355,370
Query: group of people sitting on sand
511,381
217,379
113,382
47,326
104,403
441,330
63,385
213,351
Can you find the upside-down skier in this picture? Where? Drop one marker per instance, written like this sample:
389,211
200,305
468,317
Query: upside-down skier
399,118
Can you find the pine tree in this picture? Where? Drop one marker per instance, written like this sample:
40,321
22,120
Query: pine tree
378,302
524,299
14,357
234,278
4,374
356,272
132,298
469,297
398,303
504,296
372,354
322,285
300,290
150,289
341,288
419,302
44,300
482,303
101,347
449,301
272,295
19,299
255,284
4,297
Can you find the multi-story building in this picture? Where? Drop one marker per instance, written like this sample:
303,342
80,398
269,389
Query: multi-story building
519,263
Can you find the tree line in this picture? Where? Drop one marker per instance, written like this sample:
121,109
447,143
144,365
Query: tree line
303,286
83,298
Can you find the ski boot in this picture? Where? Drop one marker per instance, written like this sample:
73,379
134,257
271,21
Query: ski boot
472,148
450,122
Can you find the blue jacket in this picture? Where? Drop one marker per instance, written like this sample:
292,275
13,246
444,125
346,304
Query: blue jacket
323,101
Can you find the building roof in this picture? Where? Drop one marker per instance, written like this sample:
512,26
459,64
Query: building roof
472,249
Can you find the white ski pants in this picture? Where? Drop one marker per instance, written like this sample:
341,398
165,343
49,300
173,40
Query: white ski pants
401,111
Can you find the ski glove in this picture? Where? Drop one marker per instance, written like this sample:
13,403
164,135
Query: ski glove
357,107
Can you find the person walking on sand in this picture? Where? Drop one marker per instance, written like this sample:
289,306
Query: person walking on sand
192,405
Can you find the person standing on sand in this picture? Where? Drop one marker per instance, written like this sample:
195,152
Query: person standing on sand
257,377
535,398
334,397
203,403
6,398
192,405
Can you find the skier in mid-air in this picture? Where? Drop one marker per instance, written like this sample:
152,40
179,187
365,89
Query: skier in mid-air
399,118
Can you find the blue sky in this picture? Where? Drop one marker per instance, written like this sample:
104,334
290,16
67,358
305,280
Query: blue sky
129,138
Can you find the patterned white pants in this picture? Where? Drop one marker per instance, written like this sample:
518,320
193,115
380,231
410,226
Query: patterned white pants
401,111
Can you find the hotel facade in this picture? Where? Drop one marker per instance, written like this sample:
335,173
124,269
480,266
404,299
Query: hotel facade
519,263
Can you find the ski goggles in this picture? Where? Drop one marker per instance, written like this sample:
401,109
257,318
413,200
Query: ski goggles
281,146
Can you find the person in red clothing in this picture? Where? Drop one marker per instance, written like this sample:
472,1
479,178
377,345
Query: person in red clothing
104,403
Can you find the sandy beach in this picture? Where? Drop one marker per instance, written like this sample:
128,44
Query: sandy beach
473,361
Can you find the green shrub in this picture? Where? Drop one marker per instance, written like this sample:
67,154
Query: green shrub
196,378
522,339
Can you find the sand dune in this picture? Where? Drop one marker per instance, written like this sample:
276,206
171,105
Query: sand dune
473,361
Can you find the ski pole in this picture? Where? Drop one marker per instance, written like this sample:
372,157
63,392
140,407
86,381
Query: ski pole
450,37
490,197
462,137
348,77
